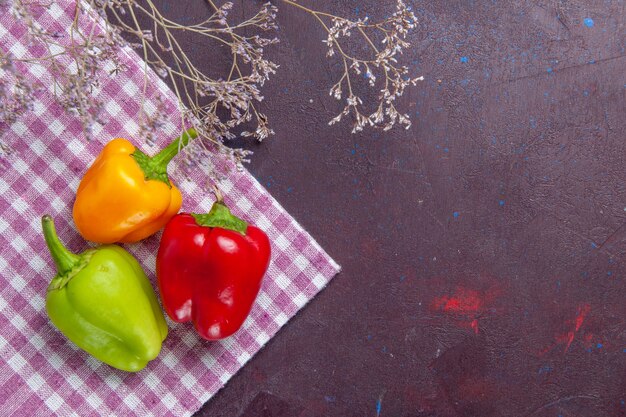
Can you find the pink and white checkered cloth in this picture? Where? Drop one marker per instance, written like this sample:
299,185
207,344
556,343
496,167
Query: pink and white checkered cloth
42,373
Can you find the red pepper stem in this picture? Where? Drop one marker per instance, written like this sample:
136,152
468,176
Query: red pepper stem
64,260
170,151
219,197
220,216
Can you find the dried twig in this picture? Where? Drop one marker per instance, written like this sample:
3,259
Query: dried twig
393,31
215,106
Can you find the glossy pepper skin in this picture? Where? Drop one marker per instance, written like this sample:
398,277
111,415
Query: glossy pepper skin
103,302
126,196
209,270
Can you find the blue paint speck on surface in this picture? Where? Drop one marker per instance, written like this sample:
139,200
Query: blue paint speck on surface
289,189
402,278
456,214
379,406
329,398
369,337
544,369
501,202
586,93
588,22
549,70
599,345
352,151
593,245
446,150
609,273
464,59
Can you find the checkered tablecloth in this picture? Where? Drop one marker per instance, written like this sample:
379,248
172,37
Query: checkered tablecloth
42,373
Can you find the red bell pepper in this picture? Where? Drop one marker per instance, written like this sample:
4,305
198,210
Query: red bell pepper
209,269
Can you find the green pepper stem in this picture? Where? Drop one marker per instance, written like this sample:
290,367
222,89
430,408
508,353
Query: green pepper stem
220,216
63,258
170,151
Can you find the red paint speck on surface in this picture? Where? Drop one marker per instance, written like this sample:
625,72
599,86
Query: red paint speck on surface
569,339
575,325
474,325
583,310
464,301
466,305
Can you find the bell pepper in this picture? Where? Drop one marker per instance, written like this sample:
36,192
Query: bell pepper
103,302
126,196
210,268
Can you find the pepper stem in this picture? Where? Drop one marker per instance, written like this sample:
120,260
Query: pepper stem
220,216
63,258
170,151
219,197
155,167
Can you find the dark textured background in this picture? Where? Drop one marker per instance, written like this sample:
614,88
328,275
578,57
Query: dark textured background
482,250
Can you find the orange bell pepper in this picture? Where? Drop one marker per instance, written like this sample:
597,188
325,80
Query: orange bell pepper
126,195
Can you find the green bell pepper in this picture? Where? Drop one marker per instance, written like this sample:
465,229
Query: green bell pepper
103,302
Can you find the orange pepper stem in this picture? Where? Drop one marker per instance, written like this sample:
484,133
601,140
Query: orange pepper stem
155,167
64,260
170,151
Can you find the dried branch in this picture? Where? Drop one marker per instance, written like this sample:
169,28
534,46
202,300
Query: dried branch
215,106
383,59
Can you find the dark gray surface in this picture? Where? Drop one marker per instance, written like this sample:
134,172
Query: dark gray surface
482,250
